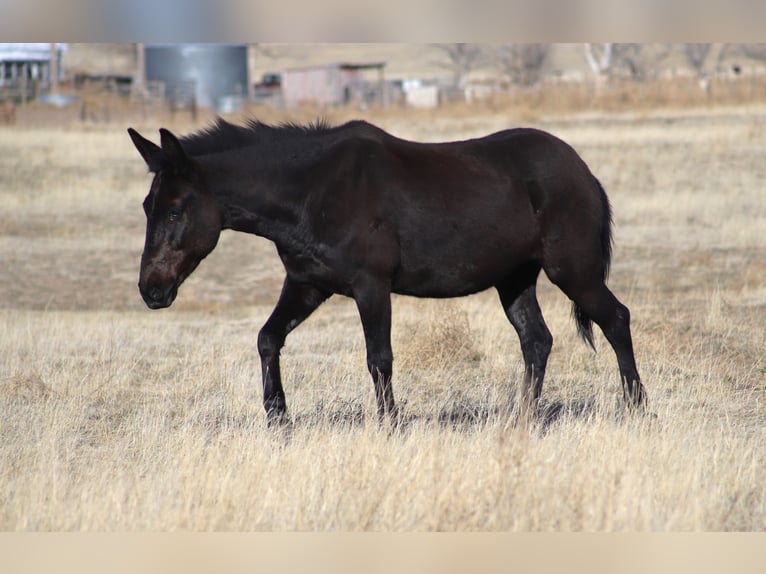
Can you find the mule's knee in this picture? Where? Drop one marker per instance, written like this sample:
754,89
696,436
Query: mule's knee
622,314
269,343
615,323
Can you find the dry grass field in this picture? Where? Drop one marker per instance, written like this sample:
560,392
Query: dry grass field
114,417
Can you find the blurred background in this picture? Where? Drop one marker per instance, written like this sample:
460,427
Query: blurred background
62,83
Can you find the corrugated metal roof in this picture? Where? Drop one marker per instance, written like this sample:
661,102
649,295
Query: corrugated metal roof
29,52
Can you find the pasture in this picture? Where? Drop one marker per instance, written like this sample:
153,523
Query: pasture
114,417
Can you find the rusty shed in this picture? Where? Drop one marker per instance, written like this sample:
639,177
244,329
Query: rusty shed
335,84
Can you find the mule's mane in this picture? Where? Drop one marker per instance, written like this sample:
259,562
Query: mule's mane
223,136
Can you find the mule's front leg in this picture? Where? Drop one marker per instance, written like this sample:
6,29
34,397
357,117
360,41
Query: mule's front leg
296,302
373,300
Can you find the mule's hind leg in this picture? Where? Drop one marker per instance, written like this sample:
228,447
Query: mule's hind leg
594,301
600,305
518,296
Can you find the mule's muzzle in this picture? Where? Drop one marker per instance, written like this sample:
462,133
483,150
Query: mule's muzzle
157,296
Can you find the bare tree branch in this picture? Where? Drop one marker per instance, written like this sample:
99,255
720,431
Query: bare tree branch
522,63
460,59
696,54
599,58
605,60
632,58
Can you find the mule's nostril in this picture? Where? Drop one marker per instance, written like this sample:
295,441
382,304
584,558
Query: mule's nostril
151,292
157,297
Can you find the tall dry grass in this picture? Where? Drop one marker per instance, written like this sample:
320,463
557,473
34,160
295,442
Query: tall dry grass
118,418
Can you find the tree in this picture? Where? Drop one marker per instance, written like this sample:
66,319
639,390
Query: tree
605,60
632,58
696,54
522,63
460,59
599,58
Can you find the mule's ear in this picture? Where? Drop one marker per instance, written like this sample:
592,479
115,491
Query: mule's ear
151,152
172,149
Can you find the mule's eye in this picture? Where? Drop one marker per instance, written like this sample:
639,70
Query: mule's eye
174,215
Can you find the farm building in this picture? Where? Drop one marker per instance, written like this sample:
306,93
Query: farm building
334,84
29,67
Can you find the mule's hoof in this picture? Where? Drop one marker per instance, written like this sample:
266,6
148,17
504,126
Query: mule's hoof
277,419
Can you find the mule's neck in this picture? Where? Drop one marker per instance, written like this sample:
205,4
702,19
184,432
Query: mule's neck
263,188
265,199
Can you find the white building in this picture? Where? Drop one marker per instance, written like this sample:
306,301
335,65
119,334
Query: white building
21,64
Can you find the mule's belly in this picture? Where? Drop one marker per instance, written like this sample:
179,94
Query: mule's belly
428,284
449,274
473,248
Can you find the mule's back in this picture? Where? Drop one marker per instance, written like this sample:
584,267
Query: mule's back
467,214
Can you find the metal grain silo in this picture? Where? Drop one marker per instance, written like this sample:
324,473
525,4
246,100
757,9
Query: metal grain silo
216,74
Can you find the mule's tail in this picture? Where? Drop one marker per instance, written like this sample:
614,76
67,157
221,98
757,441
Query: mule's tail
583,322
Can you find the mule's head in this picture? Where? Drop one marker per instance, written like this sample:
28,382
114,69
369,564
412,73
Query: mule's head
183,219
